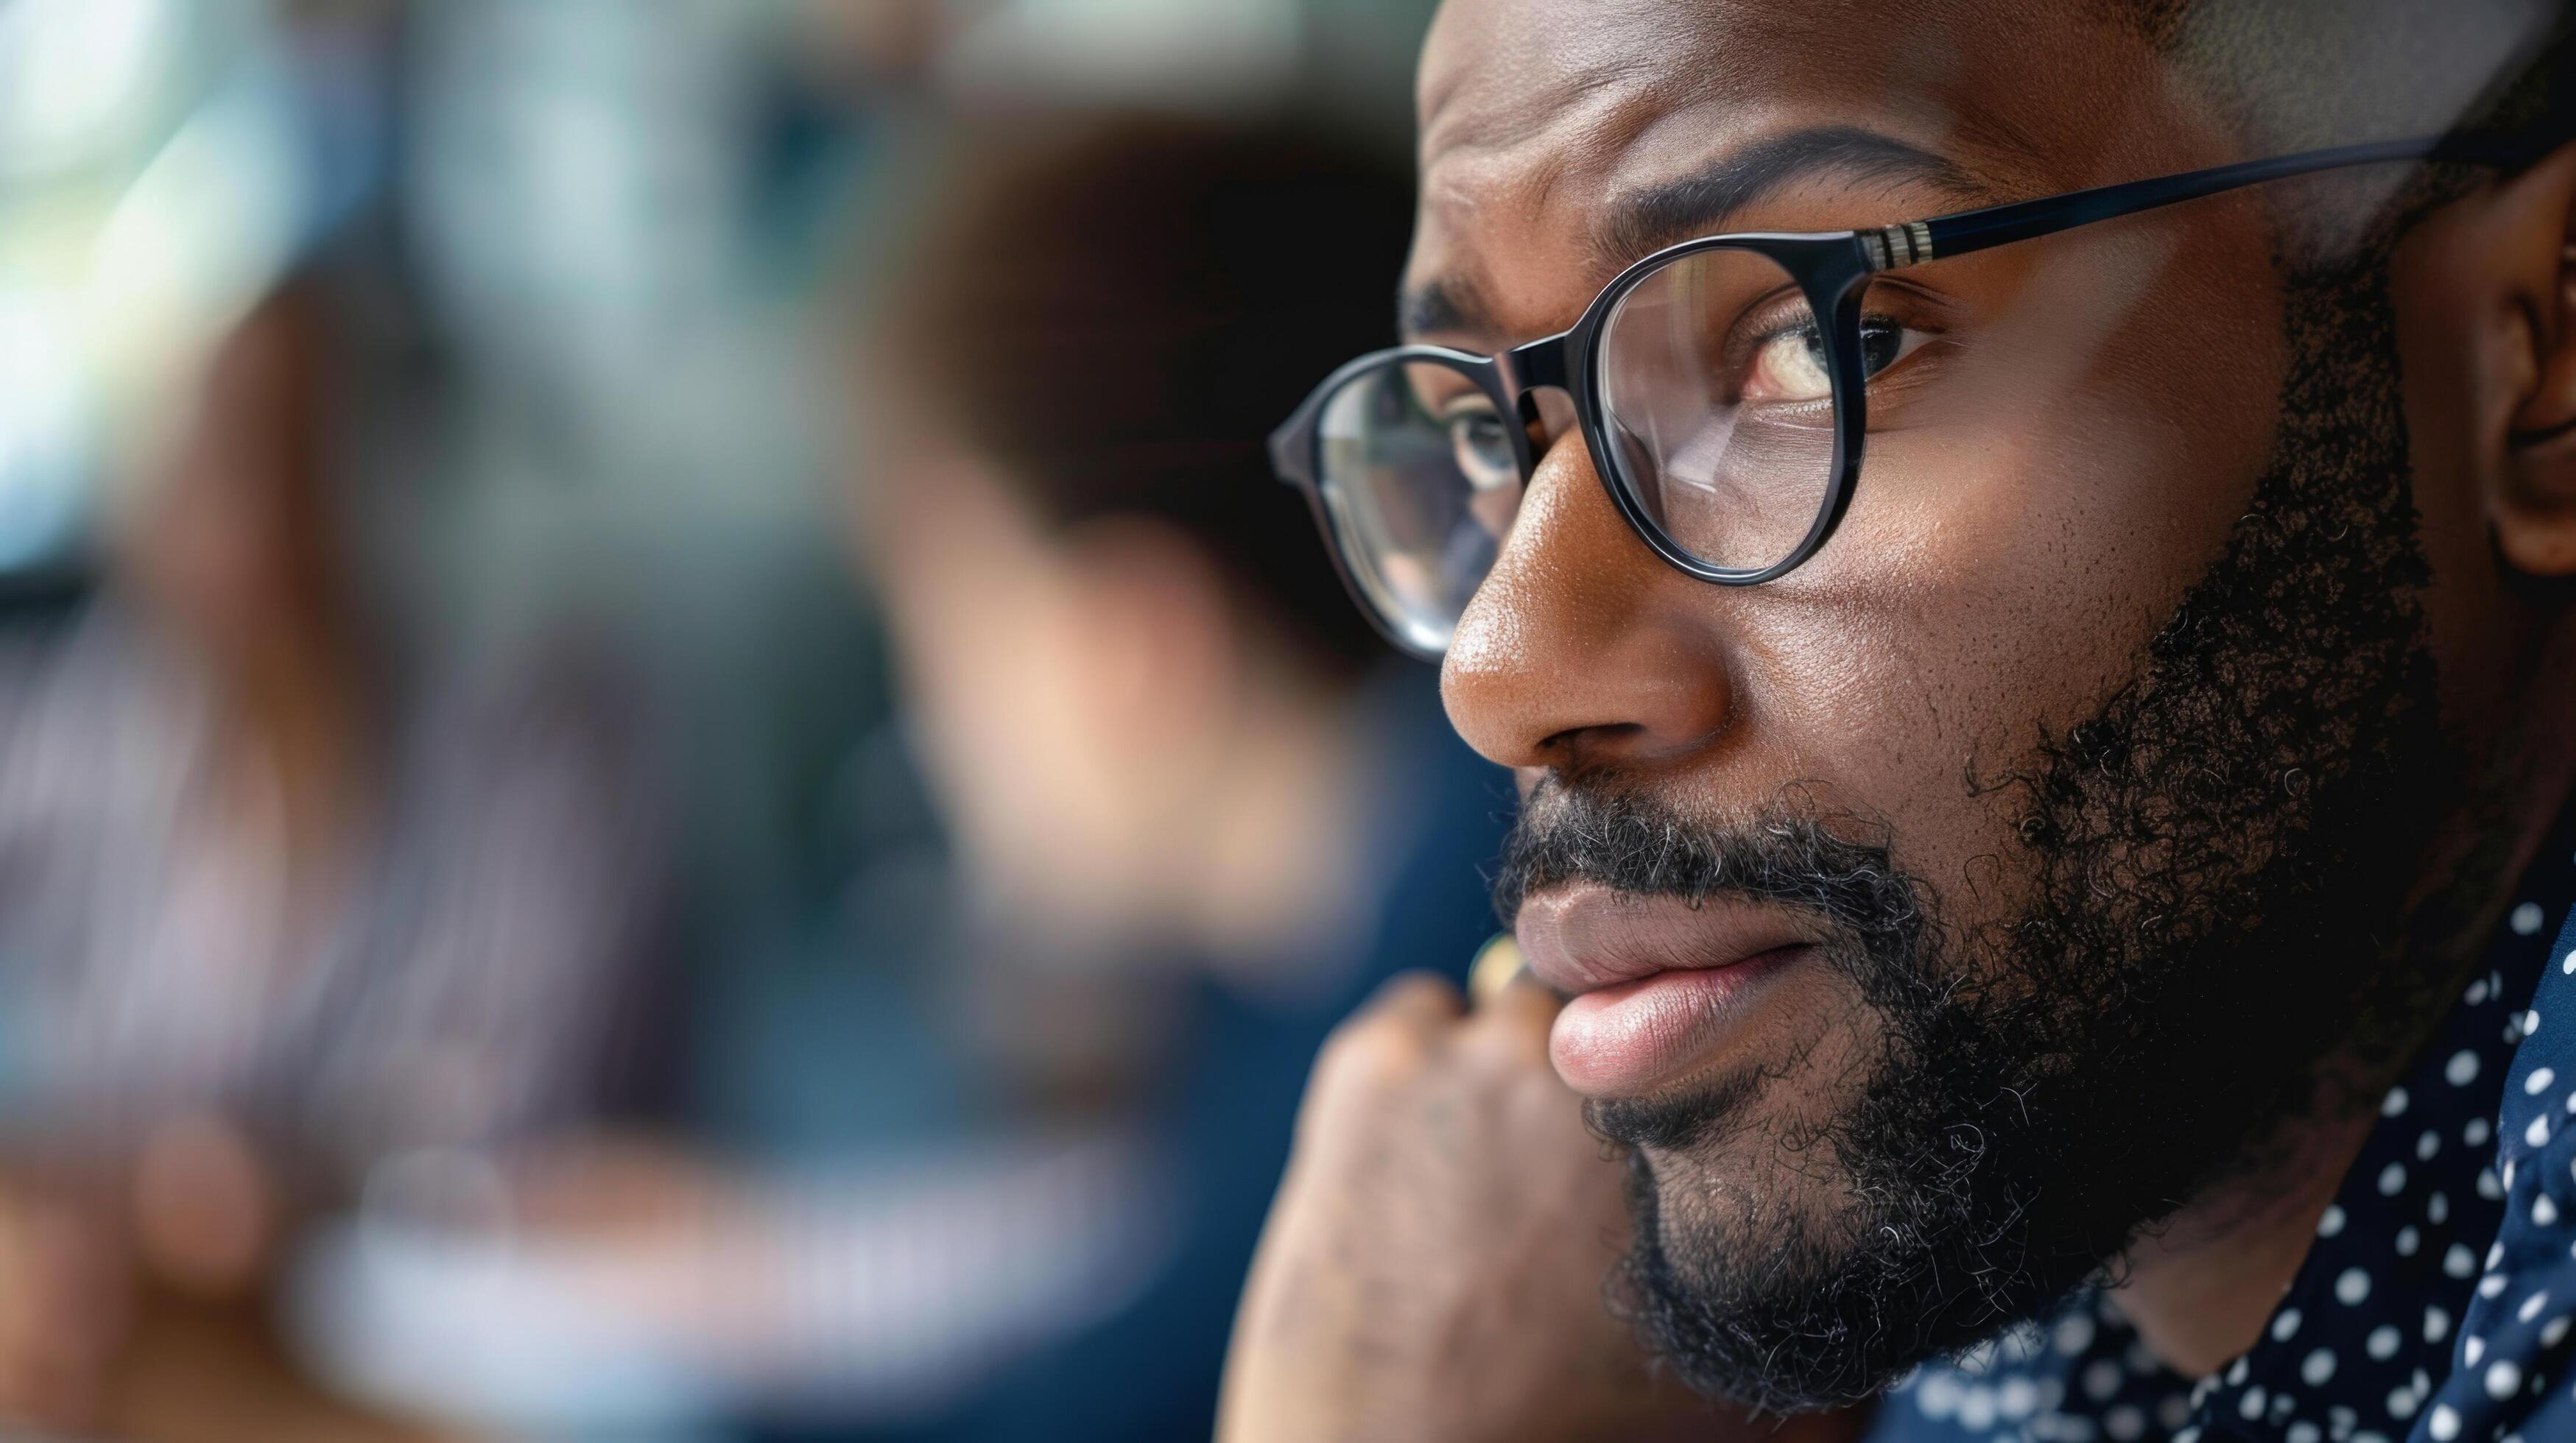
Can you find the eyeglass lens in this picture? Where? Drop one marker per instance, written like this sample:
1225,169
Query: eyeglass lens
1718,403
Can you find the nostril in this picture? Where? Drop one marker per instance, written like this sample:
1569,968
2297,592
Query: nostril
1568,746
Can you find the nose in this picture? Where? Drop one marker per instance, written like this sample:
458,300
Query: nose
1583,649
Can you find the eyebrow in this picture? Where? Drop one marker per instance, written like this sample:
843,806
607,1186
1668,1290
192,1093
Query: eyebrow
1643,222
1439,308
1639,224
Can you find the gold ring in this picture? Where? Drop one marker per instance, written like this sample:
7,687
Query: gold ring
1497,963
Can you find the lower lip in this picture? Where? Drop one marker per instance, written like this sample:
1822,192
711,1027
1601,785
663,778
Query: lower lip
1627,1040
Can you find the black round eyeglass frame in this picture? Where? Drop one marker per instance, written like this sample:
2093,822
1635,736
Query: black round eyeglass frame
1832,269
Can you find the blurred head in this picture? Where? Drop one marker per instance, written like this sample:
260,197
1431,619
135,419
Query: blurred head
230,541
2110,793
1097,590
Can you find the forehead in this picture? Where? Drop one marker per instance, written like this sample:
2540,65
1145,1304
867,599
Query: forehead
1539,117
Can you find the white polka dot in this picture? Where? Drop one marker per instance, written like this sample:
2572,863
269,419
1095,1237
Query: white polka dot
2017,1398
2488,1187
2444,1425
2236,1371
2402,1403
2538,1082
2437,1208
2382,1344
2477,993
2538,1133
2462,1069
2304,1431
2392,1179
2409,1241
2352,1286
2394,1104
2477,1132
2101,1380
2495,1254
2459,1262
2437,1325
2251,1405
2531,1307
2527,919
2472,1348
2125,1424
1977,1408
1938,1397
2503,1377
2554,1332
2544,1210
2427,1145
2530,1023
2332,1222
2285,1325
2074,1334
2318,1367
2492,1285
2569,966
2192,1435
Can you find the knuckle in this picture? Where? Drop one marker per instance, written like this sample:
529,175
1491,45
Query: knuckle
1370,1049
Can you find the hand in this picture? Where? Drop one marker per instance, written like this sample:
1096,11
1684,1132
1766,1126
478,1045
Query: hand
1433,1269
66,1308
133,1302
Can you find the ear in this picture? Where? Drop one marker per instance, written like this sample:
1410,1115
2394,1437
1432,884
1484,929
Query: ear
2533,503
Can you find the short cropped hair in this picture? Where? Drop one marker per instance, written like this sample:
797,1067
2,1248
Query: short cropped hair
1118,311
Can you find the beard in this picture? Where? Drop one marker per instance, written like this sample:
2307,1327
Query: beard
2215,864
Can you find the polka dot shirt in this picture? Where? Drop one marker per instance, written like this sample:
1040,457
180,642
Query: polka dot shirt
2438,1300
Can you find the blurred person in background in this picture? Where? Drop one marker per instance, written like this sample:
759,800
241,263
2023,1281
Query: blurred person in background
1198,818
277,904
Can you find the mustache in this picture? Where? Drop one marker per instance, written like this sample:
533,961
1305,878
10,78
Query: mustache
1633,842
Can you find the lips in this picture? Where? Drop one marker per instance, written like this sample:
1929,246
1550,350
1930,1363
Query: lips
1658,983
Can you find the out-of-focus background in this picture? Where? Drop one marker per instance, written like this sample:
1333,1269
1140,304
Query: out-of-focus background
665,771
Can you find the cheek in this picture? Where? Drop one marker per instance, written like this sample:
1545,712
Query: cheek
2000,578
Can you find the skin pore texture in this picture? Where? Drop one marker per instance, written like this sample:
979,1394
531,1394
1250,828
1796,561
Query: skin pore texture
2127,774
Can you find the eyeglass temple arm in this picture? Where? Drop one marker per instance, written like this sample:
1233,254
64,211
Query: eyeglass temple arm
1974,230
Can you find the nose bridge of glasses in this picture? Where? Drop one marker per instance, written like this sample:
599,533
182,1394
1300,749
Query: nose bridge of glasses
1538,365
1536,379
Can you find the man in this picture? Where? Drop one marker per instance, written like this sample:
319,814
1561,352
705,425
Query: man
1199,814
2043,735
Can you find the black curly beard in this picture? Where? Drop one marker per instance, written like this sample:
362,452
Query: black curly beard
2218,863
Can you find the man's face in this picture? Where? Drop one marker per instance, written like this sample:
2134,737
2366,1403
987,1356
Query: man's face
1952,907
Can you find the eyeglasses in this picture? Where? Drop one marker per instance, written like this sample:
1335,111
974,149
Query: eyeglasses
1722,388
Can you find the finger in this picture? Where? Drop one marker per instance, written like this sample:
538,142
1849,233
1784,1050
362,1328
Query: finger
1421,1002
1515,1024
1393,1035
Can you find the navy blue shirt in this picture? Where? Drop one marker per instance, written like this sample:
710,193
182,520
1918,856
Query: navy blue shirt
2437,1301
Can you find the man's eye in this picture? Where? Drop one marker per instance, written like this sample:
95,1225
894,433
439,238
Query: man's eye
1789,366
1483,448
